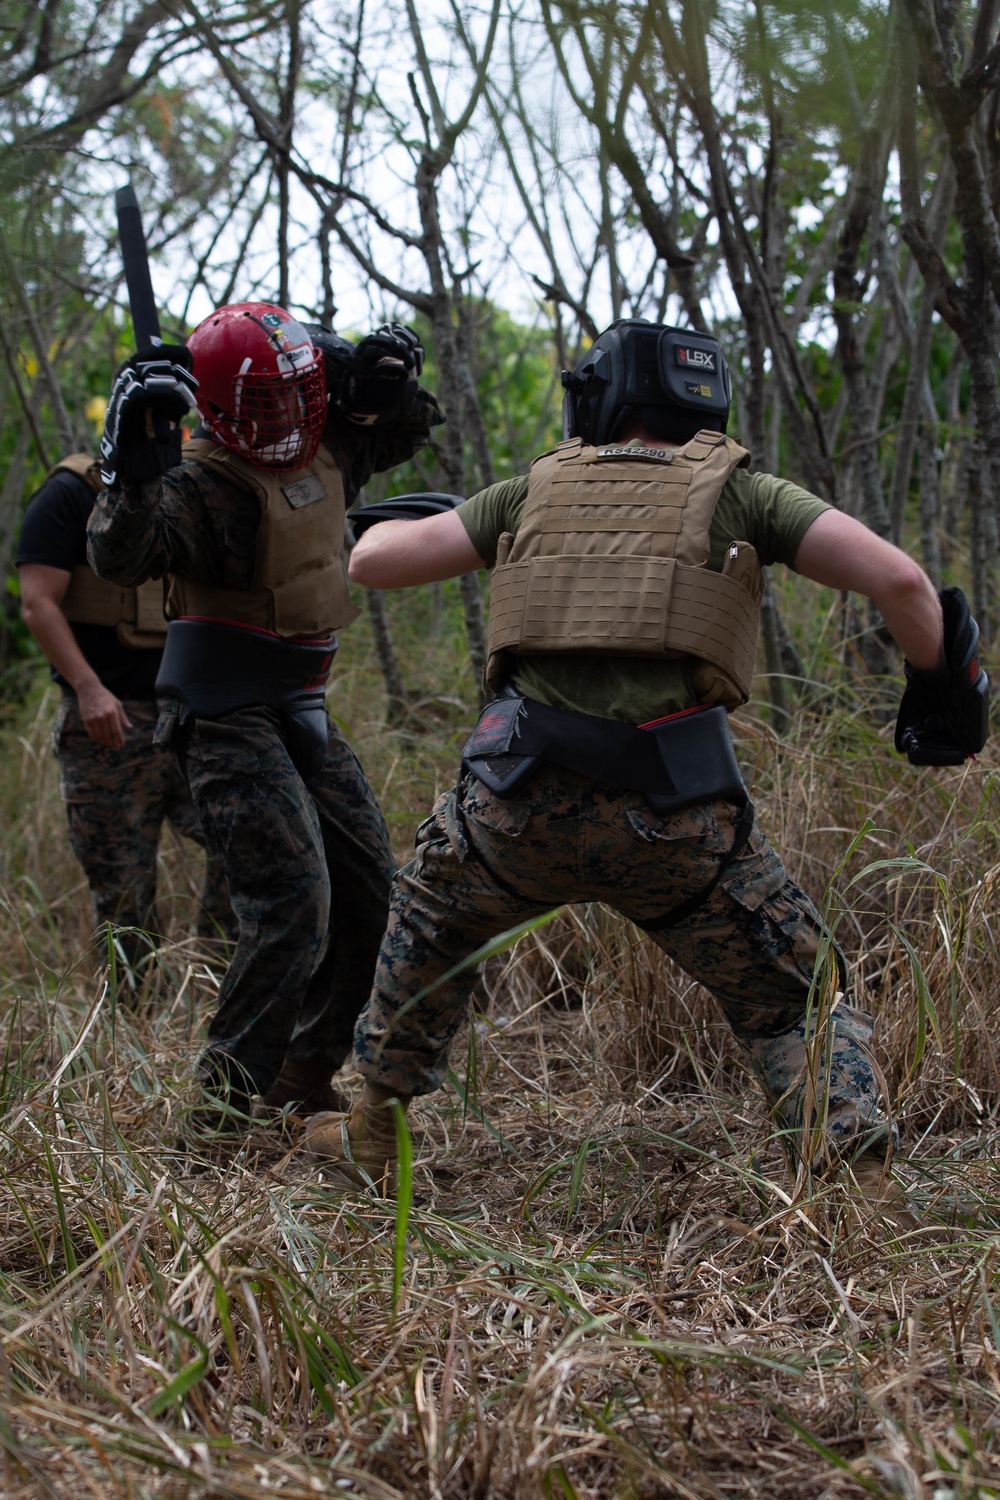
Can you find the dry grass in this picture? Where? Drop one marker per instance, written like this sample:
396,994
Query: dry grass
604,1286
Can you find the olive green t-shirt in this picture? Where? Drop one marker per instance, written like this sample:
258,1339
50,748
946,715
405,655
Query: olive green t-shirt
771,514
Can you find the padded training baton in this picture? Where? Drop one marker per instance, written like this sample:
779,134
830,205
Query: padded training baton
145,321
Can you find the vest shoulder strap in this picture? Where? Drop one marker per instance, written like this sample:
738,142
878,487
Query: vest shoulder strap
232,466
83,466
704,443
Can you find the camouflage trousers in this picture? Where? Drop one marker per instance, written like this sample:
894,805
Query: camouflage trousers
116,804
757,943
309,867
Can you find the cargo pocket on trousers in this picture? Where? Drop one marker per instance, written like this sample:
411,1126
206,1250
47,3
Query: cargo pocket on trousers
440,836
59,726
756,875
480,808
56,741
782,924
494,828
83,766
697,828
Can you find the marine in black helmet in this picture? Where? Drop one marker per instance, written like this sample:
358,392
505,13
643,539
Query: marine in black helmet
626,582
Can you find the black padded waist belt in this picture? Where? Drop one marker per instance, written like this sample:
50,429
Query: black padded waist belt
682,760
215,668
676,762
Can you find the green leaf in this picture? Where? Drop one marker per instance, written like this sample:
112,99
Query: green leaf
404,1197
177,1388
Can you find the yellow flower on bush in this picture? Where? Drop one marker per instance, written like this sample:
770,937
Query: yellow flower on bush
95,409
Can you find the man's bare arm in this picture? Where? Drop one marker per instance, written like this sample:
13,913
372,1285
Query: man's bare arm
42,592
398,554
843,554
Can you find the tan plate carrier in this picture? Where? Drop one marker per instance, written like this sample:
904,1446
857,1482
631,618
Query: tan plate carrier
135,614
299,586
612,557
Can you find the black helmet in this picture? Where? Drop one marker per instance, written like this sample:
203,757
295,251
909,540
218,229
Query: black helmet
674,381
336,354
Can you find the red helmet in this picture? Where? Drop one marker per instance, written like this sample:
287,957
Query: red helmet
261,386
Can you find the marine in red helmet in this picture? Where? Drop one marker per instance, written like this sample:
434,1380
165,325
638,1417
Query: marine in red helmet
246,522
261,384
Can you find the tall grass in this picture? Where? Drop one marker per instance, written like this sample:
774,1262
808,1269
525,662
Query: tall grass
597,1279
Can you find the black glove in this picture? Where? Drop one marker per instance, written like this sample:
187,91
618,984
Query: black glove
150,394
382,375
401,508
337,355
944,716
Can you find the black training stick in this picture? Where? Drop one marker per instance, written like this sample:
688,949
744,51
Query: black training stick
145,321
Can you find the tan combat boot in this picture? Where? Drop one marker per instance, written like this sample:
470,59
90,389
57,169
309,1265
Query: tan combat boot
307,1087
882,1196
361,1146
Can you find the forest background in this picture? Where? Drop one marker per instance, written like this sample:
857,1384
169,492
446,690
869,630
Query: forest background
599,1279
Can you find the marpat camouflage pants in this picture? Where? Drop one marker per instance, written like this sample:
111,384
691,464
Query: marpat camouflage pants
309,867
116,803
758,944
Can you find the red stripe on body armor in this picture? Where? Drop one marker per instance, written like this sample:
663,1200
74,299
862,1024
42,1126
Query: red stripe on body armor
303,640
682,713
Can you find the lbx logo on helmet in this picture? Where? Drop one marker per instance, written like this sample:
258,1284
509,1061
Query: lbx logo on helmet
695,359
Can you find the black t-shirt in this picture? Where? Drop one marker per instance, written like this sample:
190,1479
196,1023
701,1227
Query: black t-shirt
54,533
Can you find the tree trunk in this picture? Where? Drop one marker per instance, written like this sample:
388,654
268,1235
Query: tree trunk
970,305
286,128
927,470
981,539
848,287
10,514
392,676
452,455
777,683
910,420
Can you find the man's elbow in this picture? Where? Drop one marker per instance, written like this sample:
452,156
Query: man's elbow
112,572
906,582
363,565
30,614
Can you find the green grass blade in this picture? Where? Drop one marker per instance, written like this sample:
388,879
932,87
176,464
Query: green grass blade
404,1197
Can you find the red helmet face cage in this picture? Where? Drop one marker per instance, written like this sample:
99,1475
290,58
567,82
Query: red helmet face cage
262,389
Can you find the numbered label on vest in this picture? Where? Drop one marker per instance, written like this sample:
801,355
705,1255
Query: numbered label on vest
646,455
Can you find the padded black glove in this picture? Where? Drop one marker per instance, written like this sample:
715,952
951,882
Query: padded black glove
944,716
337,355
382,375
401,508
151,393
